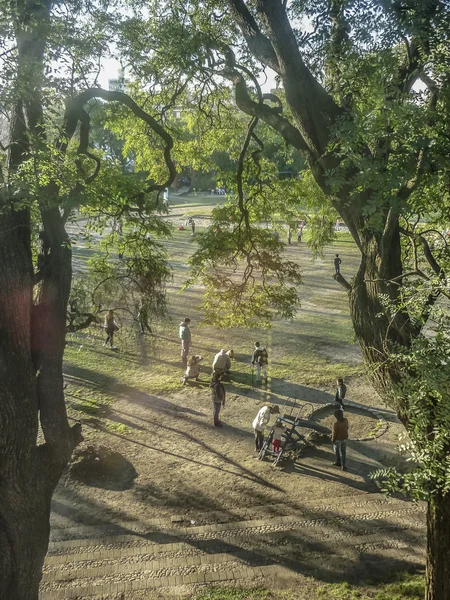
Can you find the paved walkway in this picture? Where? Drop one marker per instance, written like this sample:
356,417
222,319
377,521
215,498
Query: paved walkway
348,538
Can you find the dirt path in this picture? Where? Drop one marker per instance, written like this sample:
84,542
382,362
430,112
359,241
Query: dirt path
181,503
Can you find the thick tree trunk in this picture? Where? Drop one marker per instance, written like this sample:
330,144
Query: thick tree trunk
24,534
377,331
438,549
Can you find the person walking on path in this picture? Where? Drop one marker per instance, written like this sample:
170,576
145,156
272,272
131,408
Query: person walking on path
260,358
110,328
185,337
339,438
218,398
260,422
193,368
221,363
337,264
341,390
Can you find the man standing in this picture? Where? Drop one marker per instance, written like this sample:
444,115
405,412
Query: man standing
185,337
218,398
339,438
337,264
260,422
341,390
260,358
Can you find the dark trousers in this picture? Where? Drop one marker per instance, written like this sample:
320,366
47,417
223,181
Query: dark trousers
216,412
109,337
259,439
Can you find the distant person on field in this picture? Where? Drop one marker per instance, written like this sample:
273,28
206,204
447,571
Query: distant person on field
339,438
193,226
193,368
278,430
218,398
341,390
337,264
222,362
260,358
110,328
185,337
260,422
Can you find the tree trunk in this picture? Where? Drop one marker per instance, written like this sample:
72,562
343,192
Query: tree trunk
438,549
24,534
378,277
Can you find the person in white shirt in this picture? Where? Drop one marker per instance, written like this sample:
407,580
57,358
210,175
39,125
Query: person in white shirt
221,363
260,422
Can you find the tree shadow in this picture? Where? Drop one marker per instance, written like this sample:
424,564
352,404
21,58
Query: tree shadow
111,384
330,549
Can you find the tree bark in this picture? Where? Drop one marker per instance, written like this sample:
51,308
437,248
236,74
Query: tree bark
438,549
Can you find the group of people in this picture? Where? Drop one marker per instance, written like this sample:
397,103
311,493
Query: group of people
339,434
260,358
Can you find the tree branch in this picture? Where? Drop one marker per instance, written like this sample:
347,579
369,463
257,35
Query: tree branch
345,284
90,318
426,250
259,45
74,114
269,115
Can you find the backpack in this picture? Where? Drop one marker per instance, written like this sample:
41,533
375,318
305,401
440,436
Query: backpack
263,357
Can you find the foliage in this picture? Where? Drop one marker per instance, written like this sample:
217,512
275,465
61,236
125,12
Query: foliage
425,388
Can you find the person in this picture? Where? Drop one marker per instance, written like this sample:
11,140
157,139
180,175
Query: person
339,438
260,422
185,337
193,368
341,390
260,358
277,434
143,318
193,226
337,264
222,362
110,328
218,398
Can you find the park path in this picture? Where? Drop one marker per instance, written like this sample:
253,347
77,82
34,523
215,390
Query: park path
353,538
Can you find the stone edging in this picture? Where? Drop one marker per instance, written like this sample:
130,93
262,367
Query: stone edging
382,424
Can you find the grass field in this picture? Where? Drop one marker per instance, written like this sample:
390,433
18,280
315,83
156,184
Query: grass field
133,406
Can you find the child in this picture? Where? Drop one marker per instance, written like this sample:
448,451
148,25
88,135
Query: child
277,433
337,264
110,328
193,368
341,390
260,358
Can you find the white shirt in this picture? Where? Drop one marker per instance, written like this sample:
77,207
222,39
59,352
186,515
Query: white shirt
220,360
261,419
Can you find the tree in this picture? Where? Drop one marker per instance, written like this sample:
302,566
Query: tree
47,168
366,99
